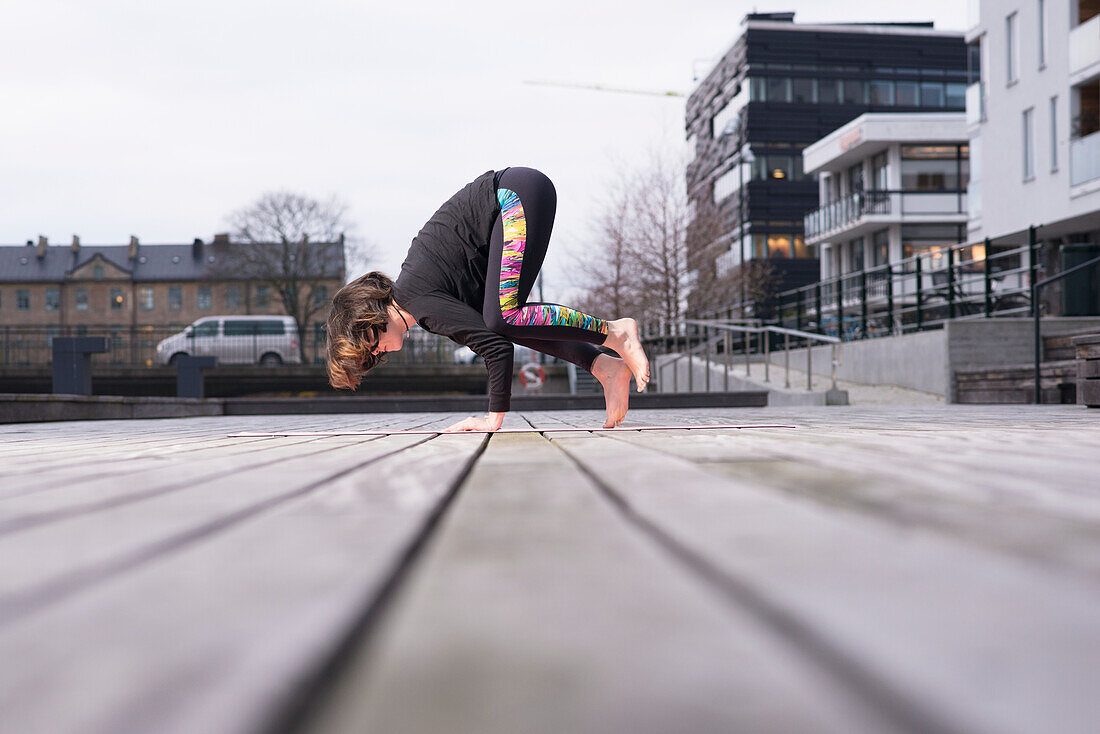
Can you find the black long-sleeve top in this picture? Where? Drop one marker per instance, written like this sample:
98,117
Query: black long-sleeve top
442,281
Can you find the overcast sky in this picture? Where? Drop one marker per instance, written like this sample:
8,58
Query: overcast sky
159,117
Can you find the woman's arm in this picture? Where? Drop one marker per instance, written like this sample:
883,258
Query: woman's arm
491,422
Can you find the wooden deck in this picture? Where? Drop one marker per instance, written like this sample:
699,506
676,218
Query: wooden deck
932,569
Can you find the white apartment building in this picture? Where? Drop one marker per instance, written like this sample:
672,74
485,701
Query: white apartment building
891,186
1033,119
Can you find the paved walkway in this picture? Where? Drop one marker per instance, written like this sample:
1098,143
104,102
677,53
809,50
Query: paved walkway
874,569
858,393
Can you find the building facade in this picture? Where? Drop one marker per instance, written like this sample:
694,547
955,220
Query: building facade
891,186
1033,113
146,292
780,87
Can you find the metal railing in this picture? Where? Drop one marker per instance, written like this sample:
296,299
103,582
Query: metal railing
699,330
136,346
853,207
916,293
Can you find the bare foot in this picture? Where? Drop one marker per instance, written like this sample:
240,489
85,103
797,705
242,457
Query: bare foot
622,336
614,375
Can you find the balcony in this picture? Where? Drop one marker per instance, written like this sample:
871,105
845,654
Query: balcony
867,209
1084,157
975,104
1084,48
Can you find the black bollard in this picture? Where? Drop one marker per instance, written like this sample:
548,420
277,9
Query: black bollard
189,382
72,363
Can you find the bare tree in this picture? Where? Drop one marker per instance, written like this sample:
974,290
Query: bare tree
608,272
292,243
640,263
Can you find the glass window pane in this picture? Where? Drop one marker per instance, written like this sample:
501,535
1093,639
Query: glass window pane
802,90
855,92
758,89
204,298
828,91
882,92
779,89
931,94
956,95
907,95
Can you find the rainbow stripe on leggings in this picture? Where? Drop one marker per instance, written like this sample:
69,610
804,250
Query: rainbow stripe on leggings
511,259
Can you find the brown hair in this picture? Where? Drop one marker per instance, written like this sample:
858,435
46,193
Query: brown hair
358,317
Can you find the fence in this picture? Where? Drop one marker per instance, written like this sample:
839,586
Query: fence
136,346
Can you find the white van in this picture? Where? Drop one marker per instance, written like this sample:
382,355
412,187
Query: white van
266,340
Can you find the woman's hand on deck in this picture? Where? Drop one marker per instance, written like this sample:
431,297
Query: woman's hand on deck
491,422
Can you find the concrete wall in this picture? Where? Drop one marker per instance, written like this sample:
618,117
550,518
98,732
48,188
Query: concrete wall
916,361
928,360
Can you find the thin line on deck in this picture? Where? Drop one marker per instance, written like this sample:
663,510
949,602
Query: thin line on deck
620,429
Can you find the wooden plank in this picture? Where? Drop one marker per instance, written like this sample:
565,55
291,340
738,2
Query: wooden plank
926,624
537,609
187,464
46,562
151,460
219,634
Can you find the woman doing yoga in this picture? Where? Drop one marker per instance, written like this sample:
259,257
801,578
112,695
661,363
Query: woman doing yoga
467,276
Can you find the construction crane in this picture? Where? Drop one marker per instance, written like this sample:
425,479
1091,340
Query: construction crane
603,88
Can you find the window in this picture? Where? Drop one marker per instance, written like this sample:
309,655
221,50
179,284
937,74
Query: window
956,95
882,92
175,298
1053,134
320,296
855,178
204,300
22,300
97,272
1012,50
263,296
855,92
206,328
1028,144
828,91
81,299
878,172
779,246
908,94
232,296
53,299
931,94
265,327
855,255
1042,33
880,247
758,89
933,239
802,90
116,299
145,298
779,89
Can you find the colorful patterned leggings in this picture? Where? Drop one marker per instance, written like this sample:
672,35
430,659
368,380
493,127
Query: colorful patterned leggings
516,251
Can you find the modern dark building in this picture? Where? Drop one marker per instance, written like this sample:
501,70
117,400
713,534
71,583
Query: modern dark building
780,87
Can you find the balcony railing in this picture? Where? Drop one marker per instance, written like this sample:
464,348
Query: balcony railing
846,212
975,103
1084,156
1084,45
